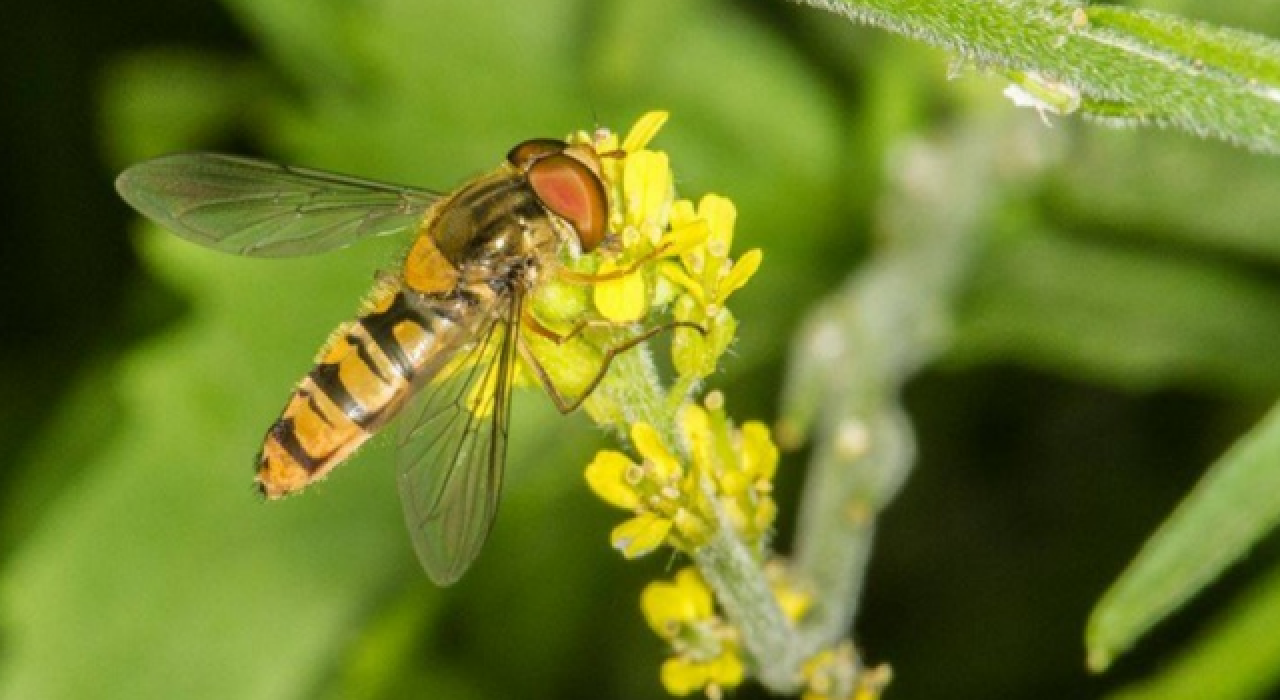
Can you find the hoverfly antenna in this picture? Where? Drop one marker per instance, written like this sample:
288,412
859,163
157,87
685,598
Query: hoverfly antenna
599,132
595,115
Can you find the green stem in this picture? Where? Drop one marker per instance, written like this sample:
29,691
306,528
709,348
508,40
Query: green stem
1204,79
743,592
861,346
631,392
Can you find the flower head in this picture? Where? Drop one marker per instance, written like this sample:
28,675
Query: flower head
706,276
835,674
642,186
657,489
705,648
739,462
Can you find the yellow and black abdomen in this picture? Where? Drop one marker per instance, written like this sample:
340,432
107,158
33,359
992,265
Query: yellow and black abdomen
361,379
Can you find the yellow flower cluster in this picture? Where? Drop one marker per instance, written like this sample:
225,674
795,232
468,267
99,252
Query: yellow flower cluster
675,255
695,474
670,496
695,274
706,277
706,655
835,674
663,494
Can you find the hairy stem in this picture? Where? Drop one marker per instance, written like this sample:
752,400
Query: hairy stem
862,345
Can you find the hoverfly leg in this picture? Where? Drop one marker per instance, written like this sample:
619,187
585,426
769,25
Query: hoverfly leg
566,404
587,278
579,326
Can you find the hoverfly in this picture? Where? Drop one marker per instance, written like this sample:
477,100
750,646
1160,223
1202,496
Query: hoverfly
431,335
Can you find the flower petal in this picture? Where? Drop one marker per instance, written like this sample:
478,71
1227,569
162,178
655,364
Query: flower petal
759,454
696,426
647,187
683,213
666,608
695,590
640,535
676,274
643,131
620,300
649,444
741,273
606,475
727,670
681,677
721,215
685,237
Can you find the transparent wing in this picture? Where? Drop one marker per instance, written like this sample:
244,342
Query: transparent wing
451,451
253,207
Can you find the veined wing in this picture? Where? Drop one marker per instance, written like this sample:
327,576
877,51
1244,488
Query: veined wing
254,207
452,448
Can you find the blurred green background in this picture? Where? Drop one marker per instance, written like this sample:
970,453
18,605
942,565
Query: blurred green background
1119,330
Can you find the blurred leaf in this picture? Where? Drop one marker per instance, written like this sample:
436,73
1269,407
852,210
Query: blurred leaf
1236,659
1125,317
385,648
1167,187
1235,504
160,557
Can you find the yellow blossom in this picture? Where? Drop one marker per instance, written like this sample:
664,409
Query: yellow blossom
836,674
656,489
621,300
740,463
793,601
643,131
642,189
640,535
709,275
706,649
681,676
668,607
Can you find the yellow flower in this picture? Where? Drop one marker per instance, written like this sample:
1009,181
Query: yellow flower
670,607
836,674
657,490
740,463
642,188
793,601
708,274
706,277
706,648
681,676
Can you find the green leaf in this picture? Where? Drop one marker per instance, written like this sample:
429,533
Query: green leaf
1235,659
160,557
1135,66
1159,187
1235,504
1124,317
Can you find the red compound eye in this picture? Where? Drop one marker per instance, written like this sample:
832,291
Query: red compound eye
570,190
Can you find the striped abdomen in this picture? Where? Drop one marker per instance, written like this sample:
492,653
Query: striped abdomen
360,381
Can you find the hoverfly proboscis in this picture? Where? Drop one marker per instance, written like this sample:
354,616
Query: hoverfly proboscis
443,325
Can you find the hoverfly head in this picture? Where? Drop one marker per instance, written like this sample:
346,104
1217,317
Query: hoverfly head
566,179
